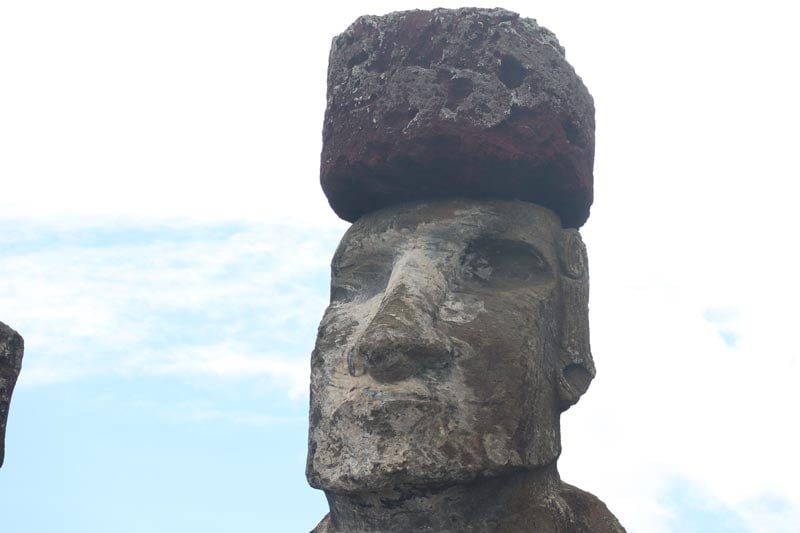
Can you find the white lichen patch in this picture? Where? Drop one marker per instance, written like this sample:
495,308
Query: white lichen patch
500,450
461,308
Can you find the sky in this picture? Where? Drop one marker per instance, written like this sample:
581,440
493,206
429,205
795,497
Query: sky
165,246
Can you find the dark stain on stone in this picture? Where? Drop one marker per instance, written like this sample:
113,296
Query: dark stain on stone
357,59
458,90
512,72
572,133
400,118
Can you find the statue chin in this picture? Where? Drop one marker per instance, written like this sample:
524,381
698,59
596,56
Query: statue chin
404,464
398,444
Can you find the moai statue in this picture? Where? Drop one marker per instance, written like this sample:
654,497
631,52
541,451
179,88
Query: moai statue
461,144
11,347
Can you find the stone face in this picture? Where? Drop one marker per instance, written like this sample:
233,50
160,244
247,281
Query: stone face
444,352
11,348
467,103
456,335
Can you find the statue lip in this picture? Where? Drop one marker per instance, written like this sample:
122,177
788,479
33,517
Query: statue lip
371,402
390,415
381,395
404,399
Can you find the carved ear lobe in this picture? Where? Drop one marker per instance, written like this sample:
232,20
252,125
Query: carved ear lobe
575,369
573,381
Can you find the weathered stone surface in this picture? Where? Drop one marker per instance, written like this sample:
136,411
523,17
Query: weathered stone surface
456,335
11,348
467,102
591,515
567,510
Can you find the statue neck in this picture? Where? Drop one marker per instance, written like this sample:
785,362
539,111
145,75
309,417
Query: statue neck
525,497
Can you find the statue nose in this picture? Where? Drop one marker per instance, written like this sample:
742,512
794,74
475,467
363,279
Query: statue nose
401,340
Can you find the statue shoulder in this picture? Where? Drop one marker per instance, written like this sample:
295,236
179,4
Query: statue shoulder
323,526
590,513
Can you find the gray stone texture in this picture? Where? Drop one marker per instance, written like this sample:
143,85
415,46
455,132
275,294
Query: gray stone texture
567,509
466,102
11,348
456,335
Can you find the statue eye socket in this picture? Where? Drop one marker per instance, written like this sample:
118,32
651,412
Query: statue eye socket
504,264
341,293
359,281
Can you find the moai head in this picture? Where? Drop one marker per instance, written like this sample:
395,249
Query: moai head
461,144
11,347
456,335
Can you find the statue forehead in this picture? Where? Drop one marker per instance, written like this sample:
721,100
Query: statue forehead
455,222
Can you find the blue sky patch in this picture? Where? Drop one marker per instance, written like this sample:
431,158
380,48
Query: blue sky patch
693,512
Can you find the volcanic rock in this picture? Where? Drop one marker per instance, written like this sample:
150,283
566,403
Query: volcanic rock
11,347
466,102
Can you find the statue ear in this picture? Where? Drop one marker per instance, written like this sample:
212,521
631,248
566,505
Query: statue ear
573,381
575,367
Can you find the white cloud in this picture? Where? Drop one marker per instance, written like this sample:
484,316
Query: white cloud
238,417
202,411
229,360
674,401
762,517
227,302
